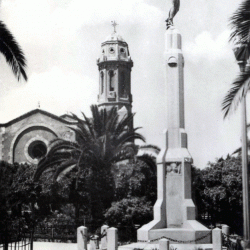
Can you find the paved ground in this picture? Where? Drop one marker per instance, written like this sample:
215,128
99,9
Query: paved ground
73,246
54,246
172,246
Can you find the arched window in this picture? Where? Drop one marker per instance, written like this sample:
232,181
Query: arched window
102,82
123,84
111,80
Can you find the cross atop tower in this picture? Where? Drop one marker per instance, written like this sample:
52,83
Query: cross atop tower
114,24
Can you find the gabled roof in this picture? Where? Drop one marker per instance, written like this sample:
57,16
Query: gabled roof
36,111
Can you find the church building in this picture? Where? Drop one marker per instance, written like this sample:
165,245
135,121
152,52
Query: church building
26,138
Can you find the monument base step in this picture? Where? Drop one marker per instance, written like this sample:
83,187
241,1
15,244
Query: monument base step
191,232
182,236
152,246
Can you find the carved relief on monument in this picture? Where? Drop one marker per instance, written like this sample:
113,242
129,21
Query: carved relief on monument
173,168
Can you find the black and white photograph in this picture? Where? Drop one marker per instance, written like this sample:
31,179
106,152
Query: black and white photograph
124,125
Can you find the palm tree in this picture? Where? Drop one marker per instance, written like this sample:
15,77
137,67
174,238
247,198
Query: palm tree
12,52
240,22
101,142
240,36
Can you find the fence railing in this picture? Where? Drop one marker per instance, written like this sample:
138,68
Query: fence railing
67,232
16,240
61,233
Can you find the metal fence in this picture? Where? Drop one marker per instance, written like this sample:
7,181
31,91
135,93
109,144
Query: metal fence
55,233
13,240
68,232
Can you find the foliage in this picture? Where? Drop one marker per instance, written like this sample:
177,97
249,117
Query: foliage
12,52
64,215
15,181
22,200
240,23
16,192
135,180
238,90
218,191
135,195
130,211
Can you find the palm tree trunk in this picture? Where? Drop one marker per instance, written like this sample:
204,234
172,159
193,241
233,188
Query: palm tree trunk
245,178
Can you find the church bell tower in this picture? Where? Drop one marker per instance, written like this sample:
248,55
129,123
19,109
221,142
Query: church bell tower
115,66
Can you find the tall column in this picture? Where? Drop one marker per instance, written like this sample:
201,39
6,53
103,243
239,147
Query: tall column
174,204
174,63
174,210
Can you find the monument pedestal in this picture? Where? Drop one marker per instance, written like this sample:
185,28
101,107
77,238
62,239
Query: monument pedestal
174,210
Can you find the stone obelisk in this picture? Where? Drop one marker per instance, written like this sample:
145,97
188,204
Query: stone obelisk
174,210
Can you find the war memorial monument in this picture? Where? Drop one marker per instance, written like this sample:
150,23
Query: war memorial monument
174,210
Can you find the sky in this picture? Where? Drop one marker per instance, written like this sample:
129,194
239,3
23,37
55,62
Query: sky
61,40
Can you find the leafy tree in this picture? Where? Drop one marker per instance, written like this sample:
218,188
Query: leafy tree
218,192
136,179
22,200
127,214
17,192
12,52
135,195
130,211
101,142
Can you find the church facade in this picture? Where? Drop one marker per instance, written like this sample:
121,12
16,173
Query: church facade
26,138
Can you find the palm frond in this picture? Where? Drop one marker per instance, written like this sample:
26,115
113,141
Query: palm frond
12,52
121,156
241,52
238,150
149,160
238,90
98,120
43,165
112,120
125,122
65,166
67,146
240,24
150,146
83,135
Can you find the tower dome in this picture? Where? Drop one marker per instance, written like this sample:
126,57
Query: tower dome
114,37
114,48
